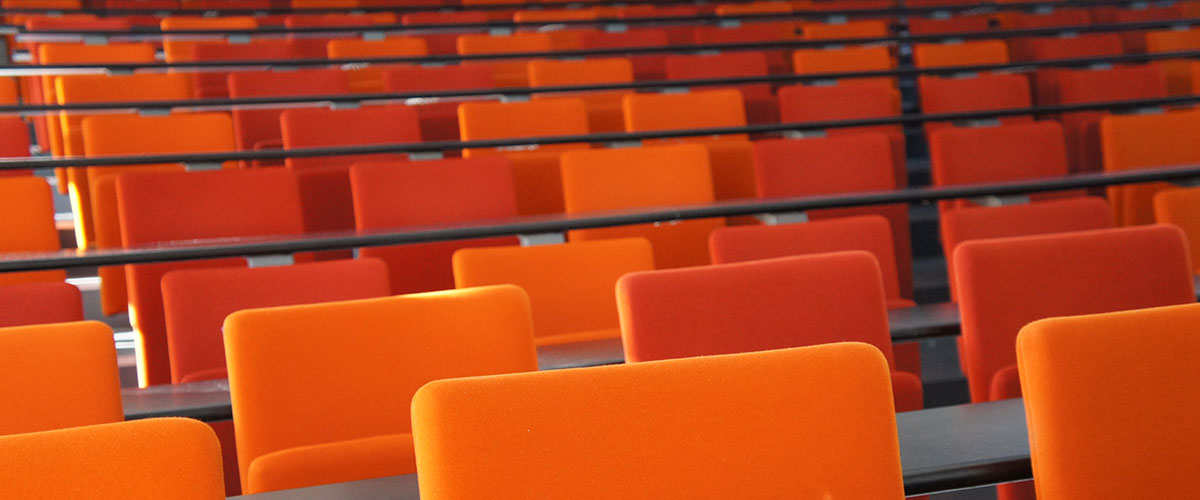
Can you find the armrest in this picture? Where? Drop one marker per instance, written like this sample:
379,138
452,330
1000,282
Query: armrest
908,392
337,462
1006,384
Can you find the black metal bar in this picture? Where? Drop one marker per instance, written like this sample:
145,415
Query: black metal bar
449,58
590,3
559,223
437,146
704,82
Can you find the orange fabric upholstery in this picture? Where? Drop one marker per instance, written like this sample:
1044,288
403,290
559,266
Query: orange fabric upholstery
760,305
748,33
761,106
868,28
368,374
507,72
370,78
843,60
811,103
652,176
1177,72
27,225
178,48
1012,152
1115,84
1181,207
390,195
14,142
985,92
215,84
174,458
932,55
645,66
1046,217
58,375
324,181
847,164
1145,362
158,208
39,303
677,418
730,156
1144,141
535,169
603,108
196,302
135,134
953,24
570,286
1006,283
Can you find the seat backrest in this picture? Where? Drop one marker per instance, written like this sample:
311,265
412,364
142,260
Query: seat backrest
543,72
753,306
272,354
678,418
651,176
27,223
1181,207
416,78
1113,84
164,207
977,155
1054,18
937,55
1117,381
1144,141
1006,283
64,53
843,60
215,84
324,127
724,65
390,195
71,89
347,48
985,92
958,23
258,128
1086,45
845,101
177,48
196,302
570,286
40,303
823,165
705,109
174,458
869,28
58,375
1045,217
516,42
542,118
869,233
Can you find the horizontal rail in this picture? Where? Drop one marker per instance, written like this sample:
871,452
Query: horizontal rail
13,163
44,69
496,91
208,249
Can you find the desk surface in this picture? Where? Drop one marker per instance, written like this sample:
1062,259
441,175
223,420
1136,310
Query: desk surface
941,449
209,400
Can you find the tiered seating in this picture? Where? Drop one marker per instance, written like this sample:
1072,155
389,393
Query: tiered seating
676,245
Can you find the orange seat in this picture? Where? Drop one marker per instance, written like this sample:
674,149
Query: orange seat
934,55
1053,18
364,432
739,9
506,72
1047,217
370,78
845,60
135,134
678,418
443,43
730,156
1085,86
27,225
174,458
1144,361
980,155
848,101
314,45
324,181
39,303
1143,141
439,120
749,33
162,207
14,143
1006,283
651,176
260,128
56,376
603,108
1181,207
178,48
953,24
535,169
1178,72
761,106
196,302
1136,41
392,195
215,84
868,28
985,92
646,67
846,164
570,286
760,305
